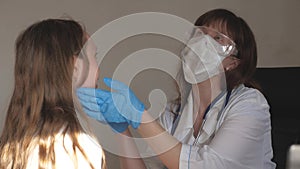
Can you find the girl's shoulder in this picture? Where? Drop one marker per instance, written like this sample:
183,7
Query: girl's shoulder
92,151
67,156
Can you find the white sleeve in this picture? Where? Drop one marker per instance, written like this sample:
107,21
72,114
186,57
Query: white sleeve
237,144
166,118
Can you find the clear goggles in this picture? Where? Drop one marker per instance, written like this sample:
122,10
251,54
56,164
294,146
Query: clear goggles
227,46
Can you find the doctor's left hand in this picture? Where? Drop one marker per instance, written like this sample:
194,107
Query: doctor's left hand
117,108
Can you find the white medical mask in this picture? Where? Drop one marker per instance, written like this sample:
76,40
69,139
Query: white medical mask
201,60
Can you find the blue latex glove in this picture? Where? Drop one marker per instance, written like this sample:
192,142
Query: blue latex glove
125,102
94,105
118,107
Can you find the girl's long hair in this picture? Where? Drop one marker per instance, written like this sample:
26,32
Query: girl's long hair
42,104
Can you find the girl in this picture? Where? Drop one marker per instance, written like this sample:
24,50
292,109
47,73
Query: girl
42,128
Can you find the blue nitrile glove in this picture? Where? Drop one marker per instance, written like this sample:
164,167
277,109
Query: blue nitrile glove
126,102
94,105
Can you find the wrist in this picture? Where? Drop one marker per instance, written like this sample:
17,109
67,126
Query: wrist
146,117
126,132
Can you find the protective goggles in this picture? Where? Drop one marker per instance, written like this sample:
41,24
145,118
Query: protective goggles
227,46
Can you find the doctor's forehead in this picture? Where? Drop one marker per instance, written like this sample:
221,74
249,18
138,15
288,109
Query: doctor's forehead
219,25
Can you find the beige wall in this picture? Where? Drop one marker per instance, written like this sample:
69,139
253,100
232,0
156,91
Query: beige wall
275,24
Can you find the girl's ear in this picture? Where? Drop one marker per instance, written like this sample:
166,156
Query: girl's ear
230,63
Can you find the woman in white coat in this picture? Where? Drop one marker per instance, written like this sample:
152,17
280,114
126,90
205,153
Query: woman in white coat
221,119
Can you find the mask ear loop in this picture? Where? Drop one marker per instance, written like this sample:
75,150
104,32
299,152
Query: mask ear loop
235,53
193,35
233,58
188,40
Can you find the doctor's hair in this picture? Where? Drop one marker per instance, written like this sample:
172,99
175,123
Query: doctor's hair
42,104
239,31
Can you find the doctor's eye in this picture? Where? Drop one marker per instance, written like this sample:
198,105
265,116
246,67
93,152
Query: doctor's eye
221,39
218,38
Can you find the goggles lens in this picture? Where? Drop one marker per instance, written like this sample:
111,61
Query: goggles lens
228,46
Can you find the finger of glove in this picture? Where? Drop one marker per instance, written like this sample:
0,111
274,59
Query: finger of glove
112,115
118,127
95,115
115,84
87,98
119,110
103,107
124,96
90,104
86,91
104,114
93,92
116,103
123,90
85,95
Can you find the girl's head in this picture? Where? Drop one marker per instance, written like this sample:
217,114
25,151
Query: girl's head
48,65
47,55
241,66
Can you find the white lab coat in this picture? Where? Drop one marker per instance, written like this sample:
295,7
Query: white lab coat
239,139
64,160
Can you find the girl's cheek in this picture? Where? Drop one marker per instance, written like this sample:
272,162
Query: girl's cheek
92,76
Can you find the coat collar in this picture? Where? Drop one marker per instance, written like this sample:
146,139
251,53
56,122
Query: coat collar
184,130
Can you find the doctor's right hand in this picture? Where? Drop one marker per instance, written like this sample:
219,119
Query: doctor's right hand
95,104
119,106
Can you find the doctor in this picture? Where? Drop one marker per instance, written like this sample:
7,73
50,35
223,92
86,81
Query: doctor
223,120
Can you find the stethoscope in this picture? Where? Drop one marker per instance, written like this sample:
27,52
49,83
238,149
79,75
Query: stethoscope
177,118
175,124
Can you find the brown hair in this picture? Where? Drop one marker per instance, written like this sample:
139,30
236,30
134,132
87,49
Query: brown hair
42,104
239,31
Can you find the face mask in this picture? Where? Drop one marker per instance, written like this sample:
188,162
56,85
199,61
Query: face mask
201,60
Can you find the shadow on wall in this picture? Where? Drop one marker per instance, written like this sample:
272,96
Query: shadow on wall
281,87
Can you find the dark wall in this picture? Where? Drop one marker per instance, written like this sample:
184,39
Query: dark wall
281,88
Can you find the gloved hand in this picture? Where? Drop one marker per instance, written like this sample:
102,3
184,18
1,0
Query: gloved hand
94,105
125,102
115,108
